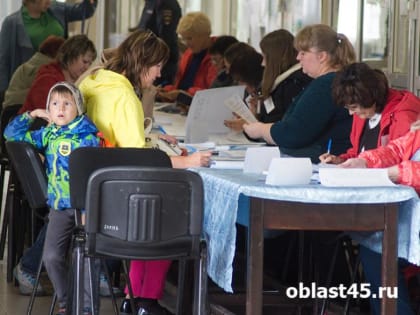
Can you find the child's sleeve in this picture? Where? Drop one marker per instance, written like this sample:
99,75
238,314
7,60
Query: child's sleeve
18,130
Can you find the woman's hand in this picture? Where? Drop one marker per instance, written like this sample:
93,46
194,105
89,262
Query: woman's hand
393,173
168,138
235,124
197,159
330,159
354,163
415,125
165,96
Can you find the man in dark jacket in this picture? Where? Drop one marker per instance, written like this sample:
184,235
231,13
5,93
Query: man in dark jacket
162,17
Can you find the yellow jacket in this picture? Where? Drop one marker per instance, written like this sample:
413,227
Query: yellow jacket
114,107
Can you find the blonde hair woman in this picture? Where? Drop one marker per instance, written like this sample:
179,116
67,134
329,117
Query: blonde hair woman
313,118
195,70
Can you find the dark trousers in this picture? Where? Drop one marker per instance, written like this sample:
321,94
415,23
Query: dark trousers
371,262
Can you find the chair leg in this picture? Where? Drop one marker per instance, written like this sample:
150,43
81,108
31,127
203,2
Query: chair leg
4,227
200,283
53,302
79,274
108,277
11,240
182,267
32,299
130,288
330,274
3,210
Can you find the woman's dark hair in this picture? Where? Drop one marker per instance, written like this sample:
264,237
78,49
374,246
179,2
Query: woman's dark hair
222,43
51,45
247,68
235,50
73,48
140,51
359,84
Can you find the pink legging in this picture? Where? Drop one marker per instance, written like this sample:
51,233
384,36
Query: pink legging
148,277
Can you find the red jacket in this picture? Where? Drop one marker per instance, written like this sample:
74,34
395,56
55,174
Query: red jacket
47,76
402,109
398,152
206,73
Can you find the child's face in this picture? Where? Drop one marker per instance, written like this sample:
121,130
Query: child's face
62,108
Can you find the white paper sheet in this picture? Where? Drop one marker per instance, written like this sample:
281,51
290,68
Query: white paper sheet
354,177
289,171
237,105
227,164
257,160
207,113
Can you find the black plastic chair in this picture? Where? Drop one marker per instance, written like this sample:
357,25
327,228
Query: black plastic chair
28,184
138,207
29,170
6,115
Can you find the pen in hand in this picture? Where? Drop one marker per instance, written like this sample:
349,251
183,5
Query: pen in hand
329,146
162,130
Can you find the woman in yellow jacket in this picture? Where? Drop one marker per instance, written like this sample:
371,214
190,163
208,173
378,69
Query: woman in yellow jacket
112,102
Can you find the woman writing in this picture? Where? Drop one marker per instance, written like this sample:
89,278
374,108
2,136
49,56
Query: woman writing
380,114
313,118
114,106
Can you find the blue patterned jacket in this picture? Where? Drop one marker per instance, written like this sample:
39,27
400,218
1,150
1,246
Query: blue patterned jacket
56,143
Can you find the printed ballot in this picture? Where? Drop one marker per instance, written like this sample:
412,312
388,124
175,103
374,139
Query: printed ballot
360,177
237,105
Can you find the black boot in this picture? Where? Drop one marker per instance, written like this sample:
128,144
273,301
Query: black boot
125,308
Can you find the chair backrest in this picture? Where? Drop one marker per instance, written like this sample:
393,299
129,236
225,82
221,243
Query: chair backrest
144,213
84,161
30,172
133,197
7,114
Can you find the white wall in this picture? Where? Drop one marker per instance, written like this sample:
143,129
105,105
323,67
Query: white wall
7,7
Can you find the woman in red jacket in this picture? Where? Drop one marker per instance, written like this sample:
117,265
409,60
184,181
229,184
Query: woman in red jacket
73,58
380,114
195,70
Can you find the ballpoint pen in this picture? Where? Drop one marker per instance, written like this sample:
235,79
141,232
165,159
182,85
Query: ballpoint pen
162,130
329,146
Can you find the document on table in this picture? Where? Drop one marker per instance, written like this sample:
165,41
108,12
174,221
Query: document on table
237,105
227,164
207,113
359,177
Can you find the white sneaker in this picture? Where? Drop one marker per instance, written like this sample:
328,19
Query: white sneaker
26,281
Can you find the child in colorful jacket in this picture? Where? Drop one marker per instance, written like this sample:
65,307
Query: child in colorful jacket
67,130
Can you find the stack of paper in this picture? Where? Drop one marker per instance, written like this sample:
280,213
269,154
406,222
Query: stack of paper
354,177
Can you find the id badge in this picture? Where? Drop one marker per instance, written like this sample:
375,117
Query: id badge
269,105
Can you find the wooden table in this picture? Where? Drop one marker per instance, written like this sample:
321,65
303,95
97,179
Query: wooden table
272,214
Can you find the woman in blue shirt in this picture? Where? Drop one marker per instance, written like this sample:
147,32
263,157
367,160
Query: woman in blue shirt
313,118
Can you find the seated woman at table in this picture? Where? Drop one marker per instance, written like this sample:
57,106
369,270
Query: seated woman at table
312,119
216,51
380,113
114,107
401,156
195,70
282,78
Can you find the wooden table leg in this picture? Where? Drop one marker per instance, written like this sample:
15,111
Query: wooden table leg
255,253
389,271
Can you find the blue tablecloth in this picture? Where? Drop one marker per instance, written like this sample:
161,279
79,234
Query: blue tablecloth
226,200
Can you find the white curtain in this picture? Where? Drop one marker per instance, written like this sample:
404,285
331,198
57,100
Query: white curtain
7,7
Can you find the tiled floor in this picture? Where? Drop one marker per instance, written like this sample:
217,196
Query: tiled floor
12,303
